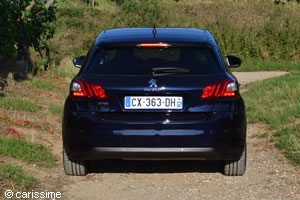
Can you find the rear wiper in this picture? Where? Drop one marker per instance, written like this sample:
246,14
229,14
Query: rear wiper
169,70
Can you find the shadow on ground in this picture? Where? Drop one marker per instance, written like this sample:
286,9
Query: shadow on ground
139,166
11,69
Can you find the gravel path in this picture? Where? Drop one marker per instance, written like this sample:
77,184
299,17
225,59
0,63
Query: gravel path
268,175
248,77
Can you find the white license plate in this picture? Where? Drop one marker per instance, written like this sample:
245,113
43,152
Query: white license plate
153,102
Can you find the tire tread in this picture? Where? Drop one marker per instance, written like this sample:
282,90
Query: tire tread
74,167
236,167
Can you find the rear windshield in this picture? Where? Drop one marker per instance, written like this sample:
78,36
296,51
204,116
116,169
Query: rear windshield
142,61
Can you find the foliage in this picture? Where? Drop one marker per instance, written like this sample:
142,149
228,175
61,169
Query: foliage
142,13
276,40
260,32
285,1
22,26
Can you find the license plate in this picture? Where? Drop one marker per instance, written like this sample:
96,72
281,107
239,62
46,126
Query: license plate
153,102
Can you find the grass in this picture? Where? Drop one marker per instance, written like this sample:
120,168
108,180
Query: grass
264,135
42,84
31,152
26,121
66,70
276,102
18,104
251,65
47,82
288,139
56,110
13,177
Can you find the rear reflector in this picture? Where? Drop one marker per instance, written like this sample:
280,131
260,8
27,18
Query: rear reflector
226,88
82,88
160,44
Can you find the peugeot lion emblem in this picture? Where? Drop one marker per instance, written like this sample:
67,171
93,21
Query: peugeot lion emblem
152,83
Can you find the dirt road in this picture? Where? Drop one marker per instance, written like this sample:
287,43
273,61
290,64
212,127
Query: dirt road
248,77
268,174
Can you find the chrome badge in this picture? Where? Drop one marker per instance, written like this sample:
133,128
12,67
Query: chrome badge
152,83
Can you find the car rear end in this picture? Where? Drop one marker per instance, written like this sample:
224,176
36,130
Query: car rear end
154,101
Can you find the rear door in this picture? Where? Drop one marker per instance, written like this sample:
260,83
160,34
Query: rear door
152,97
132,84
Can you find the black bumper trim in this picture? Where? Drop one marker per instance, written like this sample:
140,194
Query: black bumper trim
152,150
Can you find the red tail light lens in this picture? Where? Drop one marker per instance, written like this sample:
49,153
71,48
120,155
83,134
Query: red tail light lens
160,44
82,88
226,88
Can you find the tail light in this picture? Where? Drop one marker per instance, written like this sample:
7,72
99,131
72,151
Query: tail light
82,88
226,88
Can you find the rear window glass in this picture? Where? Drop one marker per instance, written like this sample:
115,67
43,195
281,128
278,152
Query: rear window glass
141,61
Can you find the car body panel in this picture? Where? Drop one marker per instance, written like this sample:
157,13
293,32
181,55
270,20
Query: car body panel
138,35
203,129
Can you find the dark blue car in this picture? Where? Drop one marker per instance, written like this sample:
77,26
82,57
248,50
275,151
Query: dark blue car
161,93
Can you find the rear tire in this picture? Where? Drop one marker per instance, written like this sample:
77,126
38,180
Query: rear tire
74,167
236,167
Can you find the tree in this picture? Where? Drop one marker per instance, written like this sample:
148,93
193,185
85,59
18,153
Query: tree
25,23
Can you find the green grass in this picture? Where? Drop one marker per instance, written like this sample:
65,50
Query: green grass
63,73
56,110
276,102
31,152
288,139
47,126
18,104
264,135
260,65
48,83
38,83
13,177
65,70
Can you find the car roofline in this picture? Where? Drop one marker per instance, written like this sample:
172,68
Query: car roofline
171,35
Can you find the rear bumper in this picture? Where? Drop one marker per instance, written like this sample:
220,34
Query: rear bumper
205,153
220,138
216,135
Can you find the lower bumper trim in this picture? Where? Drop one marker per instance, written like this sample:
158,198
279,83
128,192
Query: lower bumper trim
98,153
152,150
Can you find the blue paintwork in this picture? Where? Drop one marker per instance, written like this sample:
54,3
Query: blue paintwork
89,124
